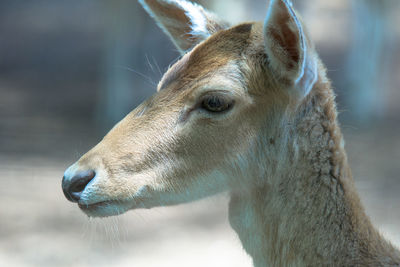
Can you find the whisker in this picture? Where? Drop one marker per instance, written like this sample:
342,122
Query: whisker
146,78
148,63
158,67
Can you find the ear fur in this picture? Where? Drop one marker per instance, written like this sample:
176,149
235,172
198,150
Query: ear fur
186,23
290,55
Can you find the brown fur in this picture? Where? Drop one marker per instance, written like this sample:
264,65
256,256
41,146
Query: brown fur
279,154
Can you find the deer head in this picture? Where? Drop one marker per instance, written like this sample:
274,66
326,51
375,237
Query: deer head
218,119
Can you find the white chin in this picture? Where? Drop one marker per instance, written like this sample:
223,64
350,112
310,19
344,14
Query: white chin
104,209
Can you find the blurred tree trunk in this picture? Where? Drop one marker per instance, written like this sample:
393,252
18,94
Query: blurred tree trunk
238,11
367,60
132,44
118,94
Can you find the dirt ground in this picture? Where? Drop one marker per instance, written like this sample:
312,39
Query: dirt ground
38,227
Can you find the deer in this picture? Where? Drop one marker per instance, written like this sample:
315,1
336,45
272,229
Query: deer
248,110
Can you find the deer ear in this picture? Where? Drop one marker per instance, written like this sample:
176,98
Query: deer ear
290,54
186,23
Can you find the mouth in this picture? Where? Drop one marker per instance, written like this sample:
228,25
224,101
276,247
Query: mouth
104,208
113,207
97,205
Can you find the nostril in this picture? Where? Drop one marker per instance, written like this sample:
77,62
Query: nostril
74,186
79,185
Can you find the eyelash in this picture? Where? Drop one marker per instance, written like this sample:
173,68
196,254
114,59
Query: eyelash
216,103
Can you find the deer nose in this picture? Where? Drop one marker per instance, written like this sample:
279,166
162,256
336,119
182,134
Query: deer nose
74,186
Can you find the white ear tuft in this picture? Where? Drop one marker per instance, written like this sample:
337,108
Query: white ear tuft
289,53
198,21
186,23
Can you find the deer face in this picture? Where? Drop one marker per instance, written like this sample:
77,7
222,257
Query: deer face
173,147
186,141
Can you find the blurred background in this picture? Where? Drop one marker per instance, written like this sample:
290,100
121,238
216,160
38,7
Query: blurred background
69,70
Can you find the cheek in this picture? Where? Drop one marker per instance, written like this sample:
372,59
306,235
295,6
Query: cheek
208,146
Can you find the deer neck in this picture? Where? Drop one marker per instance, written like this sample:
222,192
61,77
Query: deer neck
307,212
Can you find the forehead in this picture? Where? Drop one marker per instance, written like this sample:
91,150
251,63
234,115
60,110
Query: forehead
215,52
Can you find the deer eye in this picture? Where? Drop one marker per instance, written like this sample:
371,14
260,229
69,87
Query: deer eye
216,103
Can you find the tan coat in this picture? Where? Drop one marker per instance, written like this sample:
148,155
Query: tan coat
247,109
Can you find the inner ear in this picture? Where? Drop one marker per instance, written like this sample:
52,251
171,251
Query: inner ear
186,23
287,38
290,55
